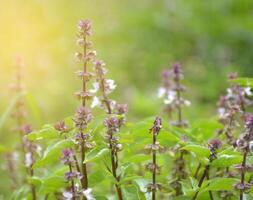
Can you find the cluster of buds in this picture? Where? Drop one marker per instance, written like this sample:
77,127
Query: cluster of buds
153,149
171,92
115,119
214,145
74,192
104,86
245,145
231,106
83,115
28,148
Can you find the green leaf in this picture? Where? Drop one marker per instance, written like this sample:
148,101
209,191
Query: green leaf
35,181
48,132
225,160
246,82
53,153
52,184
34,108
9,109
96,154
139,158
218,184
130,192
197,149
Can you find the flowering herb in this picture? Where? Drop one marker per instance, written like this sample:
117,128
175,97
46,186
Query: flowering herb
171,91
114,120
83,114
231,105
28,148
244,144
213,145
153,166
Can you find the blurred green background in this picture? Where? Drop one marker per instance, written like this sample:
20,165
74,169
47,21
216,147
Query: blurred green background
137,39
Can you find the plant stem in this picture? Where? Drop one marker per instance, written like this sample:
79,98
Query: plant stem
197,171
84,179
243,172
179,110
154,170
210,192
114,154
204,175
72,183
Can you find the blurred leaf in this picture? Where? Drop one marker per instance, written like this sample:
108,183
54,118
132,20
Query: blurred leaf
96,154
48,132
53,153
197,149
218,184
131,192
225,160
9,109
52,184
245,82
35,110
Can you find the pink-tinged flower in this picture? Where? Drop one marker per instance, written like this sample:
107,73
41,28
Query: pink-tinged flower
112,124
82,117
26,129
157,126
84,27
232,75
215,143
60,126
67,156
121,108
99,67
249,121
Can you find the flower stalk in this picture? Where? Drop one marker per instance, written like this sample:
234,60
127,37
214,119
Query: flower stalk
114,120
213,145
153,148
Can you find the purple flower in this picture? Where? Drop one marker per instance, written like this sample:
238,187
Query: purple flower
157,126
60,126
112,124
26,129
66,156
82,117
121,109
84,27
215,143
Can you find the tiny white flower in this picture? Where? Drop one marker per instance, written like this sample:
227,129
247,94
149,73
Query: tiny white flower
170,97
38,149
161,92
95,102
95,87
88,195
187,102
251,146
221,111
247,91
67,195
111,84
229,93
28,159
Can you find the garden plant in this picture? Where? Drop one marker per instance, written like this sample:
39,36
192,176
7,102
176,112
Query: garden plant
99,152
